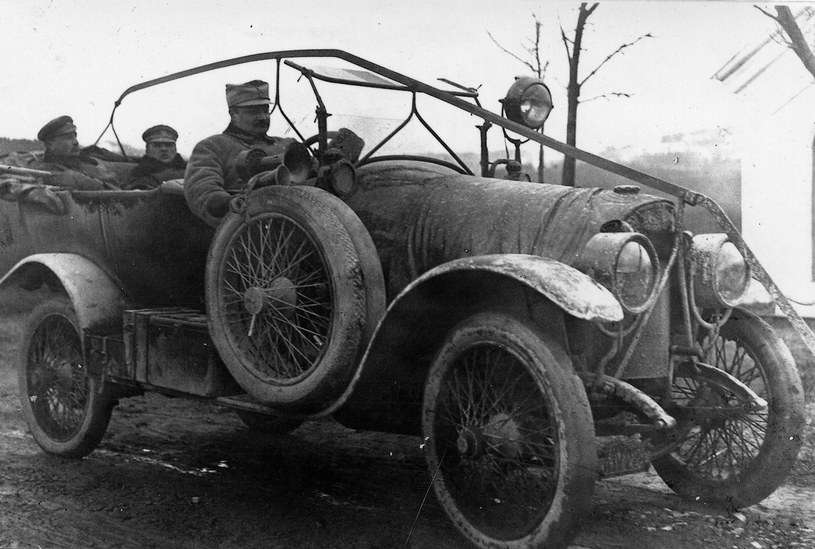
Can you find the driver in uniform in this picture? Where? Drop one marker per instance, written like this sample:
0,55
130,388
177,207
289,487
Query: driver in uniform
211,169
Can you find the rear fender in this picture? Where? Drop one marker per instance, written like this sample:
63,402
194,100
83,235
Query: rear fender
97,299
387,391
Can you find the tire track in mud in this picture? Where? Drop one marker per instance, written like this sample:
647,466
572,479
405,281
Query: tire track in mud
186,476
178,474
48,502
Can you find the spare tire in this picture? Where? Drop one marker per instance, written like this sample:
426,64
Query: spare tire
375,299
286,298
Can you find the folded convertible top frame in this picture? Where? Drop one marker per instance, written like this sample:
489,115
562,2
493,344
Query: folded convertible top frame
457,99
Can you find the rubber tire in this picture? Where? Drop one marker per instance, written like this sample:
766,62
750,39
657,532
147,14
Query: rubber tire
372,277
270,425
97,406
785,422
547,364
324,380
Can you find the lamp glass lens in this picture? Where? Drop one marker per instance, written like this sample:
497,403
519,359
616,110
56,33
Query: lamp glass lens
634,274
732,273
535,106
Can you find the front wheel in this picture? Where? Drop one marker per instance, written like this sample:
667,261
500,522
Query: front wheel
62,402
510,439
732,457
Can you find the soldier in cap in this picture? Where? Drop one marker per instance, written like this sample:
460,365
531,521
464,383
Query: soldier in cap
70,167
161,161
211,170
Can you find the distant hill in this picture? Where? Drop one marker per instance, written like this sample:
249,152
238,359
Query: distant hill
703,161
706,161
692,161
18,145
8,145
715,176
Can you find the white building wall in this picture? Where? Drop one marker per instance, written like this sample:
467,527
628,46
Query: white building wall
777,178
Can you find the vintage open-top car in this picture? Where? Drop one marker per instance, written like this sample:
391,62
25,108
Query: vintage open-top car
537,337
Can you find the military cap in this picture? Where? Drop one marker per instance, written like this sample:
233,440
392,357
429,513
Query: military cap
255,92
56,127
160,133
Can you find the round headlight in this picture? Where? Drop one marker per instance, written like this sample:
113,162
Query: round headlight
634,273
720,273
528,102
626,264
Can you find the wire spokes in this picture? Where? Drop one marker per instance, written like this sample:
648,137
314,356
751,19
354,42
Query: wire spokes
277,298
58,386
720,447
493,416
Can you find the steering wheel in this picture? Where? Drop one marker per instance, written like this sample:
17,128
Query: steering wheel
316,137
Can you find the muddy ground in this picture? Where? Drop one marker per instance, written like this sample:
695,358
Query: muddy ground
178,474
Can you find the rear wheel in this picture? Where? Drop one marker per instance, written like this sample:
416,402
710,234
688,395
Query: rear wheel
510,435
731,456
62,402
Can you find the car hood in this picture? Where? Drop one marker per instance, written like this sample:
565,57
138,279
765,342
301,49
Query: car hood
421,216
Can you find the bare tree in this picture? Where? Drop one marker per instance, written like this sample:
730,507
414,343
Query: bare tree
574,46
535,64
797,42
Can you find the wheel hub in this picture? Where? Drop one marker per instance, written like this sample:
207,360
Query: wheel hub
470,443
504,434
281,295
63,375
501,434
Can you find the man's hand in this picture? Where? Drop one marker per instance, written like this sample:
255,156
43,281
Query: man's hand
218,204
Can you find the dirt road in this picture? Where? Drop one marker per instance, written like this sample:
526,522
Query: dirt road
179,474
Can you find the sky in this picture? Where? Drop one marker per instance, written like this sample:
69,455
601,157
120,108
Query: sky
77,56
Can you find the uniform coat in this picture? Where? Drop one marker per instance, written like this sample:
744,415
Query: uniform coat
212,172
82,173
150,172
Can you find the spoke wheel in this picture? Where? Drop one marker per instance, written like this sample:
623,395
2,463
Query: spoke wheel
510,436
730,455
286,299
61,400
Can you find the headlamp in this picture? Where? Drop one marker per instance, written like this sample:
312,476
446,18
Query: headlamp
625,263
528,102
720,275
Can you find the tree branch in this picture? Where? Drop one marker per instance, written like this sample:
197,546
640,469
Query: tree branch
566,43
537,53
614,53
511,54
797,41
606,96
768,14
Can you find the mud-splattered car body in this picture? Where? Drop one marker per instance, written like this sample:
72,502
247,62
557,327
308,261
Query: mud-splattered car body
537,337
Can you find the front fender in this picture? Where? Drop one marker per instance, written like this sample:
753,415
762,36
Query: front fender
574,292
97,299
386,392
